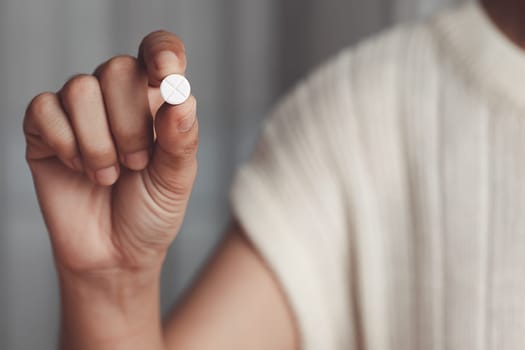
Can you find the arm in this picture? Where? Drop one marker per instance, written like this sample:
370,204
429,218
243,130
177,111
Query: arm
235,304
113,183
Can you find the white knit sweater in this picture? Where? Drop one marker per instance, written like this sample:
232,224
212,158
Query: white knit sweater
387,191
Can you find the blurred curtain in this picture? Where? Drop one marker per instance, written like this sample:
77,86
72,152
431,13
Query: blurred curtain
242,55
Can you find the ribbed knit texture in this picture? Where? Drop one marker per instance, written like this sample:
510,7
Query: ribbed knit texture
387,191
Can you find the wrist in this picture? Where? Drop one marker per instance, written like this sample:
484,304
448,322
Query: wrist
111,309
109,284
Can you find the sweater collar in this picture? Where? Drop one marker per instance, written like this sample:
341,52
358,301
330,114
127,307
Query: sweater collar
490,55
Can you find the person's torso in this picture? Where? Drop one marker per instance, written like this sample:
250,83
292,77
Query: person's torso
438,226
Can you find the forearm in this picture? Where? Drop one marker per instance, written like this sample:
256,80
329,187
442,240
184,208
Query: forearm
120,311
235,304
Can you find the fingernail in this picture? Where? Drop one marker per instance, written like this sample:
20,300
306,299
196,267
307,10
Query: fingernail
165,60
106,176
137,160
186,124
77,164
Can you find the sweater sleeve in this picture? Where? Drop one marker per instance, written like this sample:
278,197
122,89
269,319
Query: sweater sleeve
290,199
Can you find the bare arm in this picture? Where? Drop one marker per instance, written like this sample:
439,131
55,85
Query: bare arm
113,168
236,304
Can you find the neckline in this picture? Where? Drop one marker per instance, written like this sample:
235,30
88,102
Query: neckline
484,50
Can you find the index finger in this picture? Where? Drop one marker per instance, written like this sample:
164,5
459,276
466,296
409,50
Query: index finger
162,53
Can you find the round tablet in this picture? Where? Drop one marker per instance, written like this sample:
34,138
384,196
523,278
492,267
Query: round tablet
175,89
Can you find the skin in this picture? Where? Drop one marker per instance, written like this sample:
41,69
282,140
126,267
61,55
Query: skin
508,16
113,175
113,172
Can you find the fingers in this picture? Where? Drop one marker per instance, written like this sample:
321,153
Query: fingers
124,86
97,121
174,165
162,53
83,102
48,132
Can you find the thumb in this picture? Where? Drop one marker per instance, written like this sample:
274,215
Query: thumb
174,164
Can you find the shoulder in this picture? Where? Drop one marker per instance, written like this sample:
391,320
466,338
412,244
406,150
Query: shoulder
374,67
347,91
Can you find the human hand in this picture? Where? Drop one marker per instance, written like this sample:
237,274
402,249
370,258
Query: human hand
114,166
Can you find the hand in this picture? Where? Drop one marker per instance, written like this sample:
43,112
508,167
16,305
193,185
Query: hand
112,165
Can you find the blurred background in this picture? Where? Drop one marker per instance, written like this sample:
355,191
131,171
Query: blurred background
242,55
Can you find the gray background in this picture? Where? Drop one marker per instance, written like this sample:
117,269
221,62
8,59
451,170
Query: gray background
242,55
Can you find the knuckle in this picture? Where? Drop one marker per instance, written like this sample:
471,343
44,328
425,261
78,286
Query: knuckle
63,144
188,151
41,105
118,66
80,86
103,154
131,138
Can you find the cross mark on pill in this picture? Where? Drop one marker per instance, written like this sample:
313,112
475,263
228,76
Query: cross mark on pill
175,89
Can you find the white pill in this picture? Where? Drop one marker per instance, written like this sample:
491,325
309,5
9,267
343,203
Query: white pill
175,89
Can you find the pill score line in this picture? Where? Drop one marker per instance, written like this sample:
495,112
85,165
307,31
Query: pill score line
175,89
